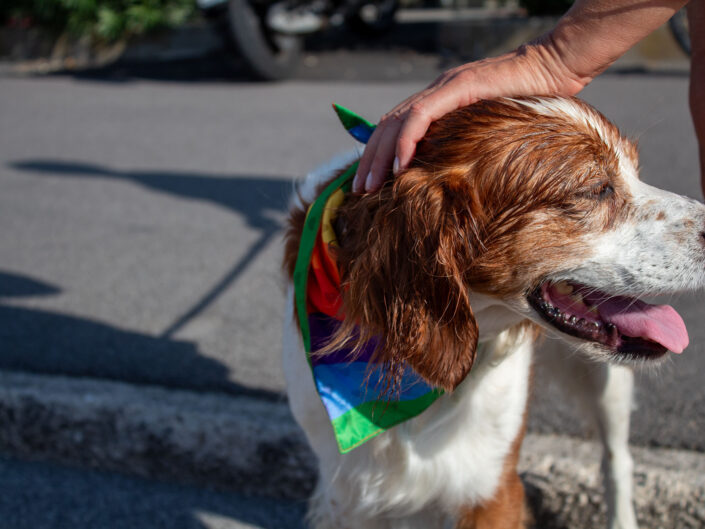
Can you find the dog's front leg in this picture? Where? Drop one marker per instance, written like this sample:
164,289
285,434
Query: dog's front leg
604,391
613,402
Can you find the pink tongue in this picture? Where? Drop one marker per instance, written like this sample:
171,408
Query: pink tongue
658,323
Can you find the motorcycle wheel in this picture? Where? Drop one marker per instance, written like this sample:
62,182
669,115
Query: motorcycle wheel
270,56
372,17
679,27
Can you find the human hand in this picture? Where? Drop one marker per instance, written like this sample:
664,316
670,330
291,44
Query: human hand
530,70
586,40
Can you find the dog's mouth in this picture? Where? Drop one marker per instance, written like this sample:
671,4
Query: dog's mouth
626,326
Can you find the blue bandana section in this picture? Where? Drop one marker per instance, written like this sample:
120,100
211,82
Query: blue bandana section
361,133
344,385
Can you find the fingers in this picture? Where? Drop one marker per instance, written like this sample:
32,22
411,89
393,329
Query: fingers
363,168
380,151
444,98
377,158
384,155
393,142
411,131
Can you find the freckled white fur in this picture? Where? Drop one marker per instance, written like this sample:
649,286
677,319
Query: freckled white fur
649,254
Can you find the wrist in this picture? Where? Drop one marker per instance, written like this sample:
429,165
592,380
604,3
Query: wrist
593,34
545,59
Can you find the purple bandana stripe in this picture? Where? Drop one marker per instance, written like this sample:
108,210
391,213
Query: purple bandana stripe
322,328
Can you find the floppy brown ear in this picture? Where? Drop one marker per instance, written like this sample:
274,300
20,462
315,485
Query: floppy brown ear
408,252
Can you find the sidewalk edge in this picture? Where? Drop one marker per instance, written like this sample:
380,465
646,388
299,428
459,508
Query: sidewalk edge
255,447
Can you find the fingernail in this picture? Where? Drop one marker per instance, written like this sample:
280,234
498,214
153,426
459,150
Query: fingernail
395,166
368,182
356,183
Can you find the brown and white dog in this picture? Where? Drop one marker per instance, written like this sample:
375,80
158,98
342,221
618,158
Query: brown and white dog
515,215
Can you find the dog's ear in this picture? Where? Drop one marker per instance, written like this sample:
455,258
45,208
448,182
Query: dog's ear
406,279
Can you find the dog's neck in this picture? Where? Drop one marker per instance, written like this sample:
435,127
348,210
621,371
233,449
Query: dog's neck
493,317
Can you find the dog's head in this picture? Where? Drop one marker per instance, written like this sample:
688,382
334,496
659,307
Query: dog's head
532,205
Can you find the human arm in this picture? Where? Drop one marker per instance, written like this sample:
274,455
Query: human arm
696,23
586,40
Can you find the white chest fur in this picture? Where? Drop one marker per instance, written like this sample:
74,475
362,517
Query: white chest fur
451,455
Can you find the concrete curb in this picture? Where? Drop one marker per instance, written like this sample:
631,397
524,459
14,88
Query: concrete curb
255,447
242,443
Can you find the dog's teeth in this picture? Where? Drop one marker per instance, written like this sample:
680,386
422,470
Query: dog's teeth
612,332
563,288
573,320
577,298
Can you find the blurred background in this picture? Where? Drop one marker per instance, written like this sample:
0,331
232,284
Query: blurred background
147,152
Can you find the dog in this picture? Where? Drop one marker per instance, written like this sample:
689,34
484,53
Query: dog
516,217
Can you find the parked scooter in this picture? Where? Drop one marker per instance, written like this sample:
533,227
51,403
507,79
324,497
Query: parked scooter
268,34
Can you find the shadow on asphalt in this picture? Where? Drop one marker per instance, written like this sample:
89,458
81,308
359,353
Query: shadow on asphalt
15,285
213,67
53,496
48,342
254,198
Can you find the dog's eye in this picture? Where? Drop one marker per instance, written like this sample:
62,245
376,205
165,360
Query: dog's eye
601,190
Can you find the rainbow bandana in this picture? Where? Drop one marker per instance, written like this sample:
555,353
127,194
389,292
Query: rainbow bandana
348,385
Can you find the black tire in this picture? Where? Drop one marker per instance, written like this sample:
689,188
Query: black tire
379,21
270,56
679,28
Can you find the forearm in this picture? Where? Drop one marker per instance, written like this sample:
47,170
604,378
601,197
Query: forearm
587,39
595,33
696,22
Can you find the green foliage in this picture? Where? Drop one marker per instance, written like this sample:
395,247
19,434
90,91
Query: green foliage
546,7
105,19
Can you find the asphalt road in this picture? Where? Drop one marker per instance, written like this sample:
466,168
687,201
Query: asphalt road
48,496
141,227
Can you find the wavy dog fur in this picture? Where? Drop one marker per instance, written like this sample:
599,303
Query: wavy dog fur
468,214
